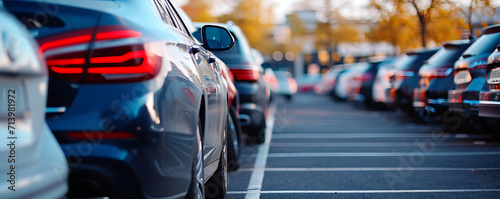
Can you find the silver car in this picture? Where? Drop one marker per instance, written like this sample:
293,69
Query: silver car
32,163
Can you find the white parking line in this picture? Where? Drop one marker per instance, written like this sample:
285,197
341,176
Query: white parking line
369,135
368,191
255,184
374,144
390,154
340,169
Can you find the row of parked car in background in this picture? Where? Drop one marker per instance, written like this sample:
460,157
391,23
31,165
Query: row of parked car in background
457,84
124,99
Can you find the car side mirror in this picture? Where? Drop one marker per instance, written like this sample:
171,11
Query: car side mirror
216,38
426,61
498,47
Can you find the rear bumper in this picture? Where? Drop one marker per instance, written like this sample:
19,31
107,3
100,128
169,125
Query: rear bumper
489,104
432,101
462,101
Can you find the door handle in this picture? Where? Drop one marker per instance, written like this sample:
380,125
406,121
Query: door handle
194,49
211,59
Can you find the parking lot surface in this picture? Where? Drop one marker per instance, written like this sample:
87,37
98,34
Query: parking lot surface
318,148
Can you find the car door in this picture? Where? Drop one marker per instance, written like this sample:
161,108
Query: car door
214,93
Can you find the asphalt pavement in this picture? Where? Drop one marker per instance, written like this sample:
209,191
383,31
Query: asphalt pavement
318,148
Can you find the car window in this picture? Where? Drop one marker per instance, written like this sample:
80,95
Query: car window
486,44
445,56
177,19
165,15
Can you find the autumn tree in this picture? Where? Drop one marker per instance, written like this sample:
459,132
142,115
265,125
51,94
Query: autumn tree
254,17
479,8
199,10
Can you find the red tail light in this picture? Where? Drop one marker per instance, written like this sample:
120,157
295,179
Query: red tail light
434,73
245,75
117,55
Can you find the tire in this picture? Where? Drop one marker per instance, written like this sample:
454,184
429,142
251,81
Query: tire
216,186
197,185
233,129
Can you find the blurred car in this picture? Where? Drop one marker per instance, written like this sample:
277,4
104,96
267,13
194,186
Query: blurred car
470,80
287,86
33,161
138,106
430,99
234,131
363,82
307,82
382,82
272,81
405,78
343,85
489,104
329,79
249,81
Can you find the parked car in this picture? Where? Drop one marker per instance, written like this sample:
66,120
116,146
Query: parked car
383,82
272,81
430,98
287,86
234,132
329,79
343,85
249,81
470,80
138,106
405,78
33,164
307,82
363,82
489,104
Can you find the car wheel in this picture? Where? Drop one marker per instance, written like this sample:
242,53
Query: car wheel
233,129
426,117
261,135
197,186
216,186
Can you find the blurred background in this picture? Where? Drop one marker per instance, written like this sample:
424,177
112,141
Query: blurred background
311,36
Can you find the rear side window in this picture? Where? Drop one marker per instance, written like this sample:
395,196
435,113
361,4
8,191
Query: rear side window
486,44
165,15
413,61
446,56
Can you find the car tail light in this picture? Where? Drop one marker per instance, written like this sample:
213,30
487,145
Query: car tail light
117,54
434,73
245,75
99,135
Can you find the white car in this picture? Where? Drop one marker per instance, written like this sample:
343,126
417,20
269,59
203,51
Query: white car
32,163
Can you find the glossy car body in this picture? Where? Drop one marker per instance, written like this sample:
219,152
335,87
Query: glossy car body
138,106
430,99
234,131
33,162
489,104
249,81
404,79
470,77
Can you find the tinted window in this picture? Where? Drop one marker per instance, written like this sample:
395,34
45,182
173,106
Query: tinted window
412,61
486,44
445,57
